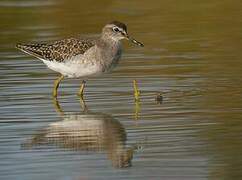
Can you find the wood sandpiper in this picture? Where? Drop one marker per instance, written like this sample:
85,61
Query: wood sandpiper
82,58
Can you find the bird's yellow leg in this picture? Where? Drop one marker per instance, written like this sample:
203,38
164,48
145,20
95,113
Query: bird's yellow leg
83,105
56,85
137,110
58,107
136,90
81,91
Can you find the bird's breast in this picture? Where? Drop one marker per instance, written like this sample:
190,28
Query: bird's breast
110,56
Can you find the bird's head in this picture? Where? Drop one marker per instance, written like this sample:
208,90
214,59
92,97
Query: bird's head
118,31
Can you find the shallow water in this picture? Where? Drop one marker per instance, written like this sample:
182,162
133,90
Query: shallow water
192,55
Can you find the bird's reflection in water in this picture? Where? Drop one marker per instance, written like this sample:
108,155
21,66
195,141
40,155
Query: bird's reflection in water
96,132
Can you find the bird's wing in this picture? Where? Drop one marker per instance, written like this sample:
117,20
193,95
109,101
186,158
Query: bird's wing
59,50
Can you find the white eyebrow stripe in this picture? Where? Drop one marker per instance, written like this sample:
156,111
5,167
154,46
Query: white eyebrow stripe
120,29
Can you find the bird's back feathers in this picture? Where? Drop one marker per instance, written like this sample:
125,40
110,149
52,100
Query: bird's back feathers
58,50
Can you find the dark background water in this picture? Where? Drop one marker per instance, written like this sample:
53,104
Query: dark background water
192,55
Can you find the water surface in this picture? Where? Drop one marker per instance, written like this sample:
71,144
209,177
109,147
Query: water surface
192,55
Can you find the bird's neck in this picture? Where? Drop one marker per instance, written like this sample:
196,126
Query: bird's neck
106,40
109,50
108,45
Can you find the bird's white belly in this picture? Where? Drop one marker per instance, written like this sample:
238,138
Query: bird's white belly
73,69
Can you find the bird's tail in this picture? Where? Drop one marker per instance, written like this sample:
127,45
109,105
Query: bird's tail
32,49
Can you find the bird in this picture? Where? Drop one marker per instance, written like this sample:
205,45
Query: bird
83,58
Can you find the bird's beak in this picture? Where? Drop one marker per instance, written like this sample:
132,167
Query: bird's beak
133,40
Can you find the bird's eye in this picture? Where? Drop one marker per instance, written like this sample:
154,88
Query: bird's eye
115,29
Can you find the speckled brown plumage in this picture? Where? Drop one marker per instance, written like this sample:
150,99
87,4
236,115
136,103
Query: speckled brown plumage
58,50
